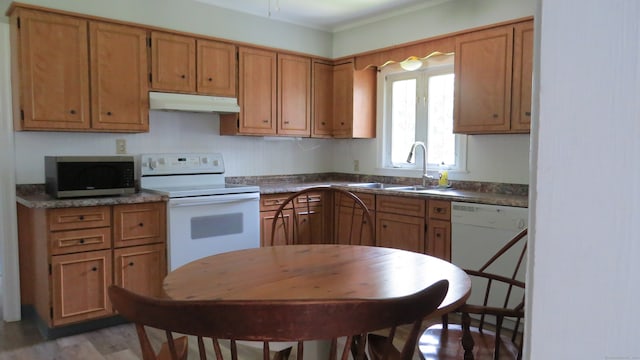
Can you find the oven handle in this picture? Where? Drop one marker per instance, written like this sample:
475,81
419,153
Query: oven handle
214,199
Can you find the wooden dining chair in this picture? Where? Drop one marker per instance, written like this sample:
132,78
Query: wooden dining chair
502,337
322,215
272,321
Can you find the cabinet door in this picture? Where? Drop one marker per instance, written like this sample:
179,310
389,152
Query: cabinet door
439,239
141,268
119,82
345,231
400,232
217,68
50,71
310,225
522,77
173,62
322,100
138,224
342,100
266,223
294,95
482,92
257,96
79,285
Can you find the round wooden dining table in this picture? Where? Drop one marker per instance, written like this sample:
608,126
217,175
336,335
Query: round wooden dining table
315,272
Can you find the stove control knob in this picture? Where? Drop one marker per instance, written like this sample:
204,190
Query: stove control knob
152,164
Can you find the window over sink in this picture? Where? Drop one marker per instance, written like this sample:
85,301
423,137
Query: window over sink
418,106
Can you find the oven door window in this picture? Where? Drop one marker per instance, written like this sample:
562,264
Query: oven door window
203,227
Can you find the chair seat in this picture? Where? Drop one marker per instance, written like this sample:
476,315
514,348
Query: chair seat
436,344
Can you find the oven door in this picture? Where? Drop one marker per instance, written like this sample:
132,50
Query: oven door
207,225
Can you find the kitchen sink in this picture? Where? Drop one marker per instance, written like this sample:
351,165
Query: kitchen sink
376,185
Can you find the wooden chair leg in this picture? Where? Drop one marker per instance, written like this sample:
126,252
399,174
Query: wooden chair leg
467,339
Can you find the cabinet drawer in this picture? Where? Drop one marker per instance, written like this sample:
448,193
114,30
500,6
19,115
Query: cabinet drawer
70,241
79,218
273,201
368,199
440,209
139,224
401,205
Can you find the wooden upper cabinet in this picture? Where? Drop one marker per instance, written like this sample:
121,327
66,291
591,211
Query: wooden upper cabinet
482,95
50,61
294,95
322,99
522,76
190,65
493,70
354,102
217,70
119,85
173,62
257,92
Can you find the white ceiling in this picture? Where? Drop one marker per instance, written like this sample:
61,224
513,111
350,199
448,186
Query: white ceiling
328,15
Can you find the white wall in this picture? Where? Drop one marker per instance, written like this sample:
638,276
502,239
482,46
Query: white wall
8,232
179,132
447,17
198,18
586,200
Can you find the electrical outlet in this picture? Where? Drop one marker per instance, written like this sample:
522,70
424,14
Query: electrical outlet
356,165
121,146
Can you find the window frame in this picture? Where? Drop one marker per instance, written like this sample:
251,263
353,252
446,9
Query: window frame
391,73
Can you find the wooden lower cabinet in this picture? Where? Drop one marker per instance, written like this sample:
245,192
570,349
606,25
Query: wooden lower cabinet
439,229
68,258
79,285
344,218
140,268
408,223
400,222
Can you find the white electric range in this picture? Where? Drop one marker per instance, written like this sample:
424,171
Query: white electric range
205,216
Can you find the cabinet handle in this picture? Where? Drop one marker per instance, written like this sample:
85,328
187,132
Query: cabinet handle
141,224
384,226
341,123
109,113
183,76
286,122
131,263
527,113
81,241
81,217
94,269
439,210
322,122
495,116
265,121
72,112
210,79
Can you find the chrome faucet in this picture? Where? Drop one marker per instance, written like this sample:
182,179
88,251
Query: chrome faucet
425,176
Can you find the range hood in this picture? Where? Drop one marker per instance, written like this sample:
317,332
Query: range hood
192,103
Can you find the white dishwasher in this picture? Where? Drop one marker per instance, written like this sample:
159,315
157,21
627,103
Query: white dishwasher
478,231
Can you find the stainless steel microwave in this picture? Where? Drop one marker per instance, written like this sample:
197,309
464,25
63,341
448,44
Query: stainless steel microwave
81,176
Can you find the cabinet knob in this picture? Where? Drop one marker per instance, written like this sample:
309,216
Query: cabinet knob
341,123
131,263
527,113
94,269
183,76
141,224
109,113
72,112
286,122
81,217
81,241
384,226
210,79
323,123
265,121
495,116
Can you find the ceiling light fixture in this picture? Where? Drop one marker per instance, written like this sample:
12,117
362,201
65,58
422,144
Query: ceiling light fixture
411,63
